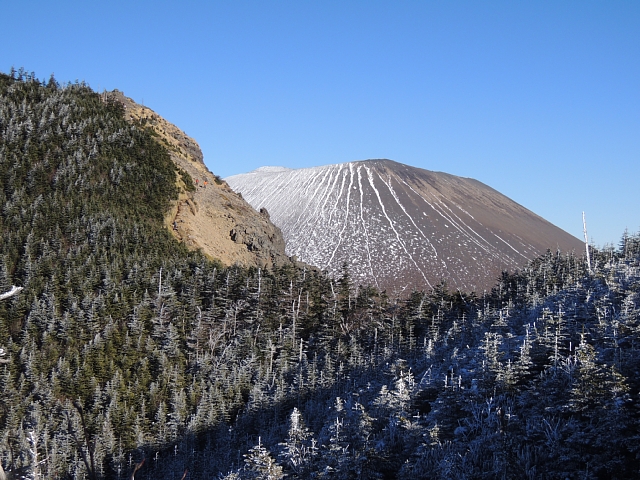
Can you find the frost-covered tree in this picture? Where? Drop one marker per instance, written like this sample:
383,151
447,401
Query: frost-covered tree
300,448
260,465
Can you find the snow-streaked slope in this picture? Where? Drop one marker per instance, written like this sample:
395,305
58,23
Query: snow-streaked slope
398,226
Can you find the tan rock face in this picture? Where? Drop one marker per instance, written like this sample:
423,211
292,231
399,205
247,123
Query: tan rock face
212,218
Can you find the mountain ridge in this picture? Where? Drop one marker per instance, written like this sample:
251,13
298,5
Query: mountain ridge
210,216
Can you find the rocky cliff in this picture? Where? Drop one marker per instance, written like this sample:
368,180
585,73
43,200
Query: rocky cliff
209,215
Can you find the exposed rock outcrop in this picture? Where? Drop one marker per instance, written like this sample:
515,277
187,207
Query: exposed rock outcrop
208,214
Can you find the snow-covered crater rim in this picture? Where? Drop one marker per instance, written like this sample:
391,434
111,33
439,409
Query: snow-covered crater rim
273,168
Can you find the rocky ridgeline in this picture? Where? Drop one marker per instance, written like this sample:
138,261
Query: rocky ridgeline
209,216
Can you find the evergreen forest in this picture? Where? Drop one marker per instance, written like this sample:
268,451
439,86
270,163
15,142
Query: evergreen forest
125,355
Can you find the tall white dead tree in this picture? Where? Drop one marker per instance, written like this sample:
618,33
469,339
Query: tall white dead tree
586,242
10,293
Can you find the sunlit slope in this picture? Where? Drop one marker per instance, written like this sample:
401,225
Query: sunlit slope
213,219
400,227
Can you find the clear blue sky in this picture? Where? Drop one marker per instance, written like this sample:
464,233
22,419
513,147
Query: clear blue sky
538,99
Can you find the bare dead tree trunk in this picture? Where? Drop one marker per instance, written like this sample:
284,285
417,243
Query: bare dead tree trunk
135,469
89,463
11,292
586,242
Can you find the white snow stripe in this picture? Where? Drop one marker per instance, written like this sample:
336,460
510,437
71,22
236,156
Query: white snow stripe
346,216
392,227
508,245
397,199
364,226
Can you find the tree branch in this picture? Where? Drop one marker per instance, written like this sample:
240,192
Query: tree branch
11,292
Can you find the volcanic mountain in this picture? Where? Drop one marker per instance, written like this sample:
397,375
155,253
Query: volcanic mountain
399,227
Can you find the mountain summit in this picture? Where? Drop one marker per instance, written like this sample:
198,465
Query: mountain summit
399,227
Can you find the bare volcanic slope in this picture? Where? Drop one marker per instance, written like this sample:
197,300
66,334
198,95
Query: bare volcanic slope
214,219
399,227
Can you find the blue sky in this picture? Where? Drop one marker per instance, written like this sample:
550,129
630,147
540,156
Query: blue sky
539,100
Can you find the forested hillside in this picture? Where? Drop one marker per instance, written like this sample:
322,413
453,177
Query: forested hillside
125,352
